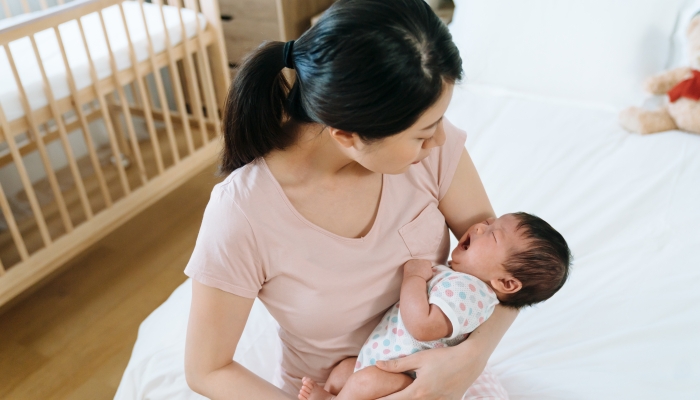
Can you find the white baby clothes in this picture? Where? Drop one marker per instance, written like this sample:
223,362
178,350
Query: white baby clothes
466,301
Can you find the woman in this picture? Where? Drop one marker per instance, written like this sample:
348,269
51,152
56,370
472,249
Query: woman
332,186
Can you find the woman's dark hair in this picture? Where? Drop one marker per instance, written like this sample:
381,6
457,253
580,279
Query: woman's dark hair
371,67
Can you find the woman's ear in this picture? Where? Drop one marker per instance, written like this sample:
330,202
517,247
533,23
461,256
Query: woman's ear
345,138
506,285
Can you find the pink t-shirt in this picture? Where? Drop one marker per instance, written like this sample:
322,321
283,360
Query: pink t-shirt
327,292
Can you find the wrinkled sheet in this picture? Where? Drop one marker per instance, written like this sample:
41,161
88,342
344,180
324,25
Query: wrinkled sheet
627,323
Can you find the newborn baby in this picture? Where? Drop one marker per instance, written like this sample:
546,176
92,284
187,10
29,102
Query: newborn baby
517,260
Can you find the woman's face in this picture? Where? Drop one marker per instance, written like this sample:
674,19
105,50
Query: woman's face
395,154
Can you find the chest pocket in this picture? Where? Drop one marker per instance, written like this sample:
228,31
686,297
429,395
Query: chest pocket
424,234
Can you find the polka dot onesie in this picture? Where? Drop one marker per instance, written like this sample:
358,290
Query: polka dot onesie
466,301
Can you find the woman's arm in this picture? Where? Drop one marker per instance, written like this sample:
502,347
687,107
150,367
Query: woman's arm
217,319
447,373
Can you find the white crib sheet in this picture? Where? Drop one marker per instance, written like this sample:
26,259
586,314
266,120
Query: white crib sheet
626,325
47,43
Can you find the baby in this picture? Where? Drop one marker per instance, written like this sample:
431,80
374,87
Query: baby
517,260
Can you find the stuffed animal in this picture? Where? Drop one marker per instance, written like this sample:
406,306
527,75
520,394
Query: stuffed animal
682,85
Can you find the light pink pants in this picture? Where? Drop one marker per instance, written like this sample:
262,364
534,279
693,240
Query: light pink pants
486,387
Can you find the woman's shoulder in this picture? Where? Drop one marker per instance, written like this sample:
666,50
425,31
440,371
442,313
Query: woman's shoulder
244,186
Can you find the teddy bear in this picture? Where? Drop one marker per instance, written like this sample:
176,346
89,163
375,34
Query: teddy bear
682,85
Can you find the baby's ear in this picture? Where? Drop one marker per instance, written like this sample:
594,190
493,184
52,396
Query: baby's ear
507,284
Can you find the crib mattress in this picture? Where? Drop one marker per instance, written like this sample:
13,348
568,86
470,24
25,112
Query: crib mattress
626,324
47,44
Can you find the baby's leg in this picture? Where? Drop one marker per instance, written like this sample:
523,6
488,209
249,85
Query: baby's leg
366,384
336,380
372,383
339,375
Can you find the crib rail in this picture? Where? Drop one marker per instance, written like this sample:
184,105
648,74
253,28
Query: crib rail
126,138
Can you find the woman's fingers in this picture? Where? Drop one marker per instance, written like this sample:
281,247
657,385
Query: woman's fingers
406,394
409,363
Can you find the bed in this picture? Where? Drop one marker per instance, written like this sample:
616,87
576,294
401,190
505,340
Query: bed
105,106
626,324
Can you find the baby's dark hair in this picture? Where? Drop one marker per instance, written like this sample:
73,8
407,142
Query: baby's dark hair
543,267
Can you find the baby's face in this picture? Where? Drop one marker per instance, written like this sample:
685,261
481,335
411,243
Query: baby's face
486,245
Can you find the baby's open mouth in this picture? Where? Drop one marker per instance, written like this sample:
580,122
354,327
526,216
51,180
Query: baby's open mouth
466,243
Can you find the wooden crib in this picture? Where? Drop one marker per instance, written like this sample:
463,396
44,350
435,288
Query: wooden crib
91,137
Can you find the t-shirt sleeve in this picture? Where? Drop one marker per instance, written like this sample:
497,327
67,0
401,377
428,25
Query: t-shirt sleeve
466,301
446,157
226,255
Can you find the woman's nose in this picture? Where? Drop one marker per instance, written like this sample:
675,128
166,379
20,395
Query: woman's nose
438,138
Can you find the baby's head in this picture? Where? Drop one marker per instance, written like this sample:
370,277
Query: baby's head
522,258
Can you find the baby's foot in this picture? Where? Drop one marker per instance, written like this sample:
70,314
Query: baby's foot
310,390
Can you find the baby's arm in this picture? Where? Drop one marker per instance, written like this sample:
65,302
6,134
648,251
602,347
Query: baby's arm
424,321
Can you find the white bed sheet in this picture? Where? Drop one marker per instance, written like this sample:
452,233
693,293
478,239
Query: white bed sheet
47,44
625,326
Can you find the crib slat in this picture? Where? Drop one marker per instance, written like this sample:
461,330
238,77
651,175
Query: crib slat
78,107
43,5
25,7
105,115
192,85
175,81
6,9
124,105
142,97
204,69
24,177
160,89
7,211
34,130
48,92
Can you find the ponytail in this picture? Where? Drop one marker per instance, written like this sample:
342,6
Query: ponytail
253,114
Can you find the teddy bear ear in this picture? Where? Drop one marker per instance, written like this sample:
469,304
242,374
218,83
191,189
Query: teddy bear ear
694,23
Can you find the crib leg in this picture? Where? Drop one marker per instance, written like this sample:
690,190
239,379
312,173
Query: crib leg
116,121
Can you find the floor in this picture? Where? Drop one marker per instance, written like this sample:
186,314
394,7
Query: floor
72,337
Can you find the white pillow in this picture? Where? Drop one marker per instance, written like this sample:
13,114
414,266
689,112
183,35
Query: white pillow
593,51
679,57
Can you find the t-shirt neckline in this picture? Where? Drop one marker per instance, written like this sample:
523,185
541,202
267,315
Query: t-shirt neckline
382,200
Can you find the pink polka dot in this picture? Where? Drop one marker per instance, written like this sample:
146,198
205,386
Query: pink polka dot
374,345
400,332
358,365
434,289
449,293
466,322
480,304
452,278
386,351
472,287
462,306
394,330
481,320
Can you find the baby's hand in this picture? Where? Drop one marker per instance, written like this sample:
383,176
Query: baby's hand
421,268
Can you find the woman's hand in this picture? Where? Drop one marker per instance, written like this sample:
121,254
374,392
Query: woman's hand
447,373
444,373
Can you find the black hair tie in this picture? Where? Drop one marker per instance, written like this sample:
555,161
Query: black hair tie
287,56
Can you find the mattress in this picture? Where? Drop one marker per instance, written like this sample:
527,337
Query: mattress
626,324
47,43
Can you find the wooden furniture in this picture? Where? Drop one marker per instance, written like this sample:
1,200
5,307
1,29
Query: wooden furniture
247,23
76,205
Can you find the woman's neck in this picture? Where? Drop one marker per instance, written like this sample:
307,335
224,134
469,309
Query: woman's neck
314,156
